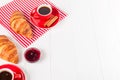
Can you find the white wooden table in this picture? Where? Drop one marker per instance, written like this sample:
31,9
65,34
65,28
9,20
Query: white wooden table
84,46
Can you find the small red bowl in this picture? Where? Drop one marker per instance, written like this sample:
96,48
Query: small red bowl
32,55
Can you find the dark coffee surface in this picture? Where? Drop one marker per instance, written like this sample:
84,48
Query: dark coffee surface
5,75
44,10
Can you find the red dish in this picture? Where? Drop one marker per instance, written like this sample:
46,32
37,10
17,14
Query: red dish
40,23
15,69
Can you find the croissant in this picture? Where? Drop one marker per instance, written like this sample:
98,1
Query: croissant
20,25
8,50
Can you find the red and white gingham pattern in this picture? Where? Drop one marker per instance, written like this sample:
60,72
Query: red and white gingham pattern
25,6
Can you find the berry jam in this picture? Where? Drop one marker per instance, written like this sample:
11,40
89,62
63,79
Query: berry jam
32,55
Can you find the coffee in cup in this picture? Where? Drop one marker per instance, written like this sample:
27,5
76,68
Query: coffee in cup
7,74
44,10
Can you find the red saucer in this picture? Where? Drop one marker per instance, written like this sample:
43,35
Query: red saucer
14,69
41,25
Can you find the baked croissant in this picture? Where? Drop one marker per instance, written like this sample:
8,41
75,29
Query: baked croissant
8,50
20,25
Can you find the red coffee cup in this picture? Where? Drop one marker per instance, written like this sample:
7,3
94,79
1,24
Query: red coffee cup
41,13
9,74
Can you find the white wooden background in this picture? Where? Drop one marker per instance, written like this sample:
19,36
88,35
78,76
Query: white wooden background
84,46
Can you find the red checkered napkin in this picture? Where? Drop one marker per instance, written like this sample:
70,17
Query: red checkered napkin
25,6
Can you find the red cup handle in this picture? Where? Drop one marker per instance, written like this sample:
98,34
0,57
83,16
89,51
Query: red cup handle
17,76
35,14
